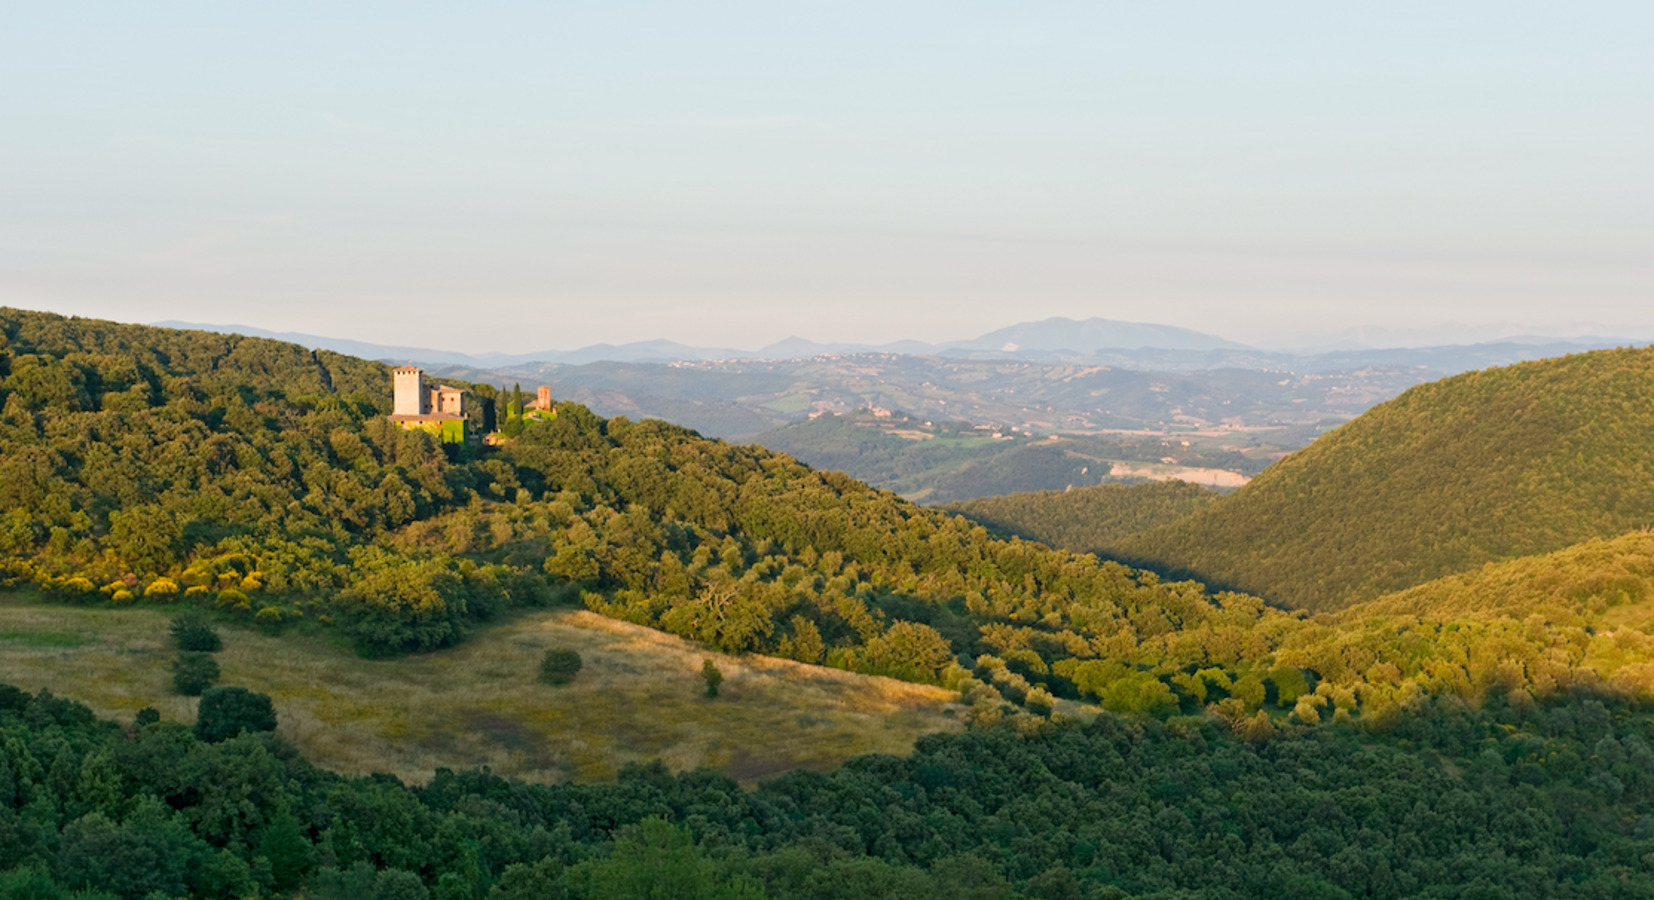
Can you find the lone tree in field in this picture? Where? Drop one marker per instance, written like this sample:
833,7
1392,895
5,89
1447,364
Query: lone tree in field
193,672
191,632
560,665
713,677
228,711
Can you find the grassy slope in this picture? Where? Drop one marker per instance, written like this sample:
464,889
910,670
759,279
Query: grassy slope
1451,475
1090,519
639,696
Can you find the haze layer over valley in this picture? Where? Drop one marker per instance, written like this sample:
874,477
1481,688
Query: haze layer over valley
1129,401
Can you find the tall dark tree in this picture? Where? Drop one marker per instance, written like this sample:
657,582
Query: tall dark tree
225,712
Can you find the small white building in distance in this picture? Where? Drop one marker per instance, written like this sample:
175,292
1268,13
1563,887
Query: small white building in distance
440,408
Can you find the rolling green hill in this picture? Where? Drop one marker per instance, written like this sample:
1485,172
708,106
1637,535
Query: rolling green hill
1089,519
145,465
149,467
1451,475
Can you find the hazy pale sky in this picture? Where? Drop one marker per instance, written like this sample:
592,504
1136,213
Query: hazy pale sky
523,176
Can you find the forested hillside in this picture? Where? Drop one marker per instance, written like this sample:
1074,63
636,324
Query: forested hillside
1497,802
253,478
147,465
1090,519
1480,467
1610,582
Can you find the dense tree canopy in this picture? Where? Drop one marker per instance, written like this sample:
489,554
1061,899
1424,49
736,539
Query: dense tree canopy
1090,519
1480,467
1549,801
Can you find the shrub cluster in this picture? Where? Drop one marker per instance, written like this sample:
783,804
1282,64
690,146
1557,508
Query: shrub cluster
560,665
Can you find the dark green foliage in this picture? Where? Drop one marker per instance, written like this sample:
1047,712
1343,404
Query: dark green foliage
225,712
712,675
30,883
191,632
193,672
1088,519
289,852
1451,475
655,859
398,884
149,715
1538,801
560,665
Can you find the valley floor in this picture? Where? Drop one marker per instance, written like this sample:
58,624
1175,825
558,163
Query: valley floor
639,696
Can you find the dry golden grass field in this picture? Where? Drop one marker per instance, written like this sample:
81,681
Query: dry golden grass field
639,697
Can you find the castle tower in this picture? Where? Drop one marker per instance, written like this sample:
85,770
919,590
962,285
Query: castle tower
542,398
411,399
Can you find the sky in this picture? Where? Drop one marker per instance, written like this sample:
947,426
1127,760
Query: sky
522,176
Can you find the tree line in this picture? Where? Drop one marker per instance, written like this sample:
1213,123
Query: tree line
1496,801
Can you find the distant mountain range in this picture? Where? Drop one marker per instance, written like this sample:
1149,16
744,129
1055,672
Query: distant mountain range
1051,340
1104,342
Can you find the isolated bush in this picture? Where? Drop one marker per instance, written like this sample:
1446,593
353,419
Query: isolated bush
228,711
149,715
712,676
193,671
560,665
191,632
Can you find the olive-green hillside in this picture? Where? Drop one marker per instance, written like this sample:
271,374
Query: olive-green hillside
1091,519
1608,582
1480,467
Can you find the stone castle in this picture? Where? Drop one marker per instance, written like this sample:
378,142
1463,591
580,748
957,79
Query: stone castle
442,408
417,405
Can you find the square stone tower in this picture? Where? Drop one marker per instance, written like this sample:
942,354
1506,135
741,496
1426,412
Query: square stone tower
411,398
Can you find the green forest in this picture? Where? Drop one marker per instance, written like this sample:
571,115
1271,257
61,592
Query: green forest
1480,467
1128,734
1469,803
1090,519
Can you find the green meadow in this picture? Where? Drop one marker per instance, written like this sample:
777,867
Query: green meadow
639,696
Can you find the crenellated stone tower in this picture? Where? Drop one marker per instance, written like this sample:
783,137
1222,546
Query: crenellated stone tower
441,409
411,399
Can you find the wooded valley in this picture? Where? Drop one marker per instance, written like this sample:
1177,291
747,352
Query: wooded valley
1421,646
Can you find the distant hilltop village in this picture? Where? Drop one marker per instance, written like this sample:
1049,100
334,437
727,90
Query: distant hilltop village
446,410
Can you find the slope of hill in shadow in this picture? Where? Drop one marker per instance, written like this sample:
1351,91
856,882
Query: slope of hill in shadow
1480,467
1090,519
